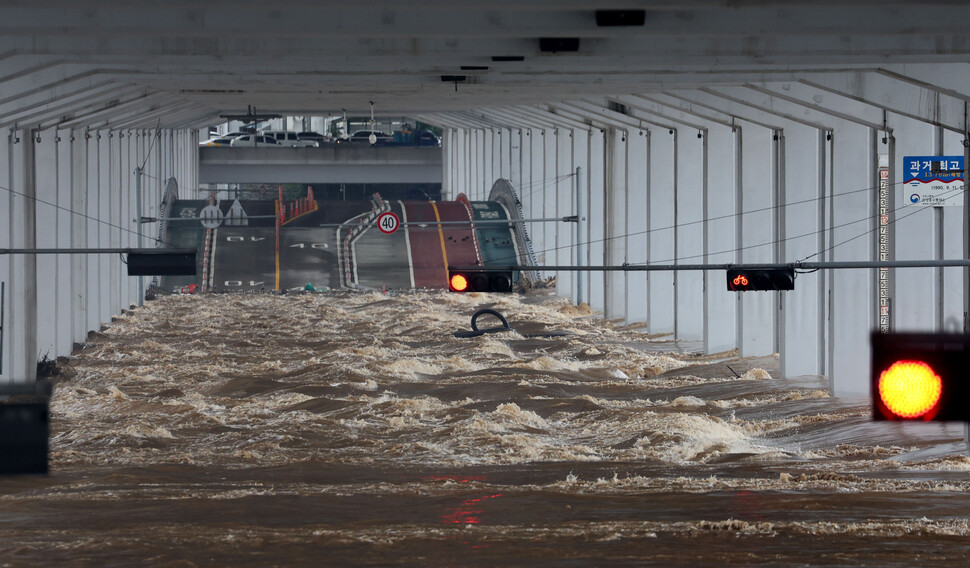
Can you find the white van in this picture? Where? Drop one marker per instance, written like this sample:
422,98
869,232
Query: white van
288,138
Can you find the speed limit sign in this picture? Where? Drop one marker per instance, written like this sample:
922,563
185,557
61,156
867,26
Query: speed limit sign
388,222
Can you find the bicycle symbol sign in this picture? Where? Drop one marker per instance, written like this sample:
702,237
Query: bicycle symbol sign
388,222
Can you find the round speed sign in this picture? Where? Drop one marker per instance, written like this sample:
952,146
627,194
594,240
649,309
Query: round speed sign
388,222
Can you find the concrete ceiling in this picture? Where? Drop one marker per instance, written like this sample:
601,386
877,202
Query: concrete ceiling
181,64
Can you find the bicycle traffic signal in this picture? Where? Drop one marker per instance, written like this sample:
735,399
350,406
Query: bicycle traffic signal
920,376
743,279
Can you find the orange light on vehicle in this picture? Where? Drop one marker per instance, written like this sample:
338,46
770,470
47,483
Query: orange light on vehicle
458,282
910,389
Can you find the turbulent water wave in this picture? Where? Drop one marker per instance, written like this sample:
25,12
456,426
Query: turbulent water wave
338,420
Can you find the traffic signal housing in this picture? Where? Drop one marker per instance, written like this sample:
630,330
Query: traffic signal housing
920,376
161,262
747,279
483,280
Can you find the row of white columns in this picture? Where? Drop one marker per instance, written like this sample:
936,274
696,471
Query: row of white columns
740,186
75,189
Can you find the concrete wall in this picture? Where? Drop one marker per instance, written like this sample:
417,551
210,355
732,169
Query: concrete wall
76,189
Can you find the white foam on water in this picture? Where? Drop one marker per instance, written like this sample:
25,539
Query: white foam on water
546,363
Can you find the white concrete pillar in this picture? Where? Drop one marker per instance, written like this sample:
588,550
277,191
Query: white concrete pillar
596,210
534,192
7,203
107,195
720,331
691,172
802,311
660,206
80,295
615,208
952,278
20,327
917,230
64,341
496,152
485,178
757,236
506,155
517,151
565,199
637,226
94,270
581,158
550,189
447,163
46,174
116,221
851,291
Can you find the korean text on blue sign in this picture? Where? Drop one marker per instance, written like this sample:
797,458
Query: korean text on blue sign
933,180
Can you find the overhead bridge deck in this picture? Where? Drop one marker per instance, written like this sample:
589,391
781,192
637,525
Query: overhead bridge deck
336,163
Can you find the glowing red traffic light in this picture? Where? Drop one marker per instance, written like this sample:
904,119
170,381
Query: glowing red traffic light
458,283
910,389
740,281
920,376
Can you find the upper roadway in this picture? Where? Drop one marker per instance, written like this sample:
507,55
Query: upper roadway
332,163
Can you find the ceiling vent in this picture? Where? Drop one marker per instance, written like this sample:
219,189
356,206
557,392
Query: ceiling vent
558,44
614,18
618,108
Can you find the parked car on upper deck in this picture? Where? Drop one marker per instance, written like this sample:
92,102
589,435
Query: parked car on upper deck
216,142
255,141
315,136
289,138
364,136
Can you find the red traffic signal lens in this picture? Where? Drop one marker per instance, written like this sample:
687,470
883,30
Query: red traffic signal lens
480,280
910,389
458,283
755,279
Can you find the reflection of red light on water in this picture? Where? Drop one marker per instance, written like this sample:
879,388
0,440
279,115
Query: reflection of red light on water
749,506
467,513
455,478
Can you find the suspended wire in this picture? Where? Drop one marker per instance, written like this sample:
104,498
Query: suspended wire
542,184
84,215
809,234
158,134
955,192
721,217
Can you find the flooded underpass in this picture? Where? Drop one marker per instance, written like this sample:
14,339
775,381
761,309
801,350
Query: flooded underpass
356,429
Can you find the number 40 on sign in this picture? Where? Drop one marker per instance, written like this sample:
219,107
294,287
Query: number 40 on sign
388,222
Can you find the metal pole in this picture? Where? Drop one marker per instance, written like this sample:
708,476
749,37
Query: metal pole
98,251
966,240
580,235
412,223
966,219
141,281
3,301
677,267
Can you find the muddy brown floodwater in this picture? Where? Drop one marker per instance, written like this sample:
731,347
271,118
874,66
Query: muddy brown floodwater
355,429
